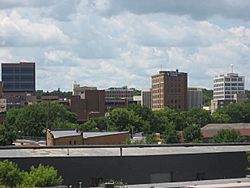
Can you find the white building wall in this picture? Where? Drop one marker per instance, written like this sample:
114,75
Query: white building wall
226,86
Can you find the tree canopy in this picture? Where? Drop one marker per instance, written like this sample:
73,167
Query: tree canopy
192,133
32,119
7,135
42,176
226,135
10,174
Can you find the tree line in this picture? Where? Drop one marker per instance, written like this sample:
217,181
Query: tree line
173,125
41,176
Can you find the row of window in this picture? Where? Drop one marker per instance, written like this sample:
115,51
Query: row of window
240,79
17,77
19,86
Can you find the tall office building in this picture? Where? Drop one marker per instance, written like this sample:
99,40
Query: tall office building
19,77
225,86
19,84
195,98
169,89
227,89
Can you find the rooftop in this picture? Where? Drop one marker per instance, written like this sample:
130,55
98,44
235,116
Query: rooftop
220,183
73,132
115,150
218,126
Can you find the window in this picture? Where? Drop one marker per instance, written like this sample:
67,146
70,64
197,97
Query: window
74,142
70,142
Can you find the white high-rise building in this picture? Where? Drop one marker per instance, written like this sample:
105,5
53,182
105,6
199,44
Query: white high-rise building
226,86
227,89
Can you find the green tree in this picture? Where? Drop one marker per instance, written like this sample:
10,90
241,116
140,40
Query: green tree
197,116
90,125
192,133
170,134
61,94
220,117
147,117
121,119
207,96
167,115
32,119
237,113
7,136
151,139
227,135
10,174
42,176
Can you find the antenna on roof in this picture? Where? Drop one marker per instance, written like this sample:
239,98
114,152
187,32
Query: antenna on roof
232,67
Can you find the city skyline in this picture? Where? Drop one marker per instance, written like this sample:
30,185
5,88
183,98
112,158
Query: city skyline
113,43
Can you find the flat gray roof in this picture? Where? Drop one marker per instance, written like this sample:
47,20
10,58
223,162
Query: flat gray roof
220,183
115,151
217,126
65,133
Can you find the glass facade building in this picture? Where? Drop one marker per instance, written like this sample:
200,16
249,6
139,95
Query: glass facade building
18,77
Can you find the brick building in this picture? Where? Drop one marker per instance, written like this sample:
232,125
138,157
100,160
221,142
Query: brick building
87,103
169,89
75,137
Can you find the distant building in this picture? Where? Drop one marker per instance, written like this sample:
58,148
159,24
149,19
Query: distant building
120,92
19,83
19,77
137,100
75,137
169,89
225,88
78,90
195,98
118,97
87,103
146,98
112,103
211,130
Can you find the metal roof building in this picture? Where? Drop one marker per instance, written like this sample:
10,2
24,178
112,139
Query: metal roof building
139,164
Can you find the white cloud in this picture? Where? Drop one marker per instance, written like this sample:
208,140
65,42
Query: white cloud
17,31
78,42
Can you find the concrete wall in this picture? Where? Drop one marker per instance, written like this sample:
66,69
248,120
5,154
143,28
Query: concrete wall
144,169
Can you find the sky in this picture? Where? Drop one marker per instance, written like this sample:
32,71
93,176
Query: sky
112,43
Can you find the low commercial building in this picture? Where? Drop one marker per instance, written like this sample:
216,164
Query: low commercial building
142,164
75,137
210,130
